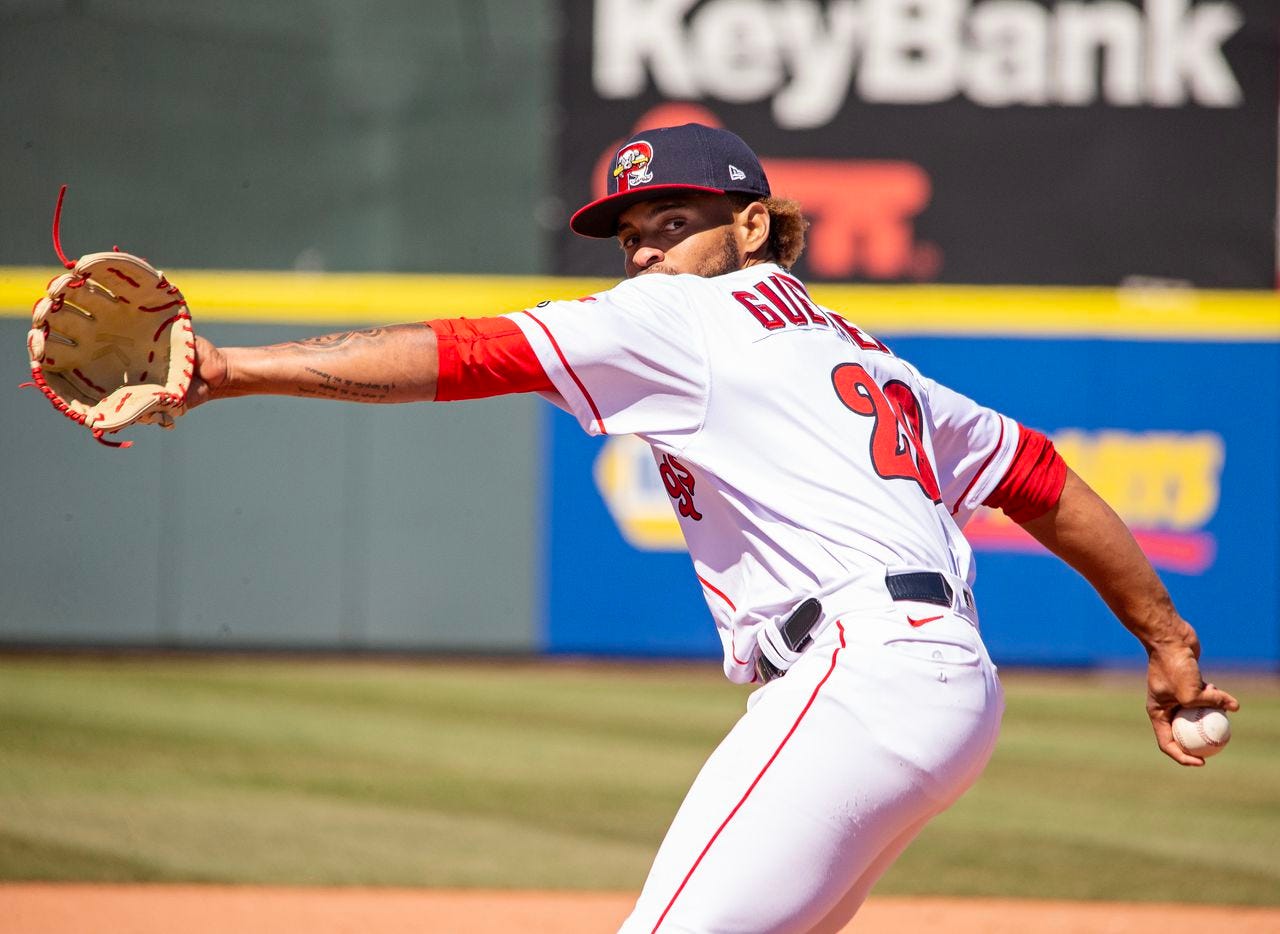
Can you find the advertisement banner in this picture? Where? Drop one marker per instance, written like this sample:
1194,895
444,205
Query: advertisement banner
1180,437
1087,142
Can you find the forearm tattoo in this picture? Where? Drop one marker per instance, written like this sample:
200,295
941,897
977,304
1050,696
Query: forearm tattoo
333,385
327,342
337,387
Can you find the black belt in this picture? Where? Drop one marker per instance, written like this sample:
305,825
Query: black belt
923,586
797,629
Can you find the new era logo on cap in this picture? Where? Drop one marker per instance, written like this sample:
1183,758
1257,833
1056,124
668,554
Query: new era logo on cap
692,157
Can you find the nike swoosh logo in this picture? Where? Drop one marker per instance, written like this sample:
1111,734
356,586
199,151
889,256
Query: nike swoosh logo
921,622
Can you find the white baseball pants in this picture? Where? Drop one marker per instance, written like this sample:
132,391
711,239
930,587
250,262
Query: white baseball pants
827,777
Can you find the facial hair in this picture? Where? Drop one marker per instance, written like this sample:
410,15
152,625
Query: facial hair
721,259
720,262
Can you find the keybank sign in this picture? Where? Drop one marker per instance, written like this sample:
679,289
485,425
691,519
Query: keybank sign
807,57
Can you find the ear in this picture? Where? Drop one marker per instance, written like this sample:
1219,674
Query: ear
752,229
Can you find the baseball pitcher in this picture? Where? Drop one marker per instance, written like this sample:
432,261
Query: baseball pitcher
821,484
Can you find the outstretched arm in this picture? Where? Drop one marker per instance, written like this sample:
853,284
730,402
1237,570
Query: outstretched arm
388,364
1086,533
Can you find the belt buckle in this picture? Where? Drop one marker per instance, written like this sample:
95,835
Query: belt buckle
961,596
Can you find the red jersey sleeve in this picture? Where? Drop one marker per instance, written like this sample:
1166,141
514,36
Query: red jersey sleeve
482,357
1033,483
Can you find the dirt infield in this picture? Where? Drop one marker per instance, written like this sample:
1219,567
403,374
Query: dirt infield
163,909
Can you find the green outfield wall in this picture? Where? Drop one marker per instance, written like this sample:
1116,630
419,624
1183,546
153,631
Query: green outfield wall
390,134
322,135
271,523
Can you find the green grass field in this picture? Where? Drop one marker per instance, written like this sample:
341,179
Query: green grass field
565,776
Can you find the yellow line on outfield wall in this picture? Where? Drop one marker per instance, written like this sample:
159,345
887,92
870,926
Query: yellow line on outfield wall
376,298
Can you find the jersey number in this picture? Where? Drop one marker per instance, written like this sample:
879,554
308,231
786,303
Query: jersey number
897,451
678,480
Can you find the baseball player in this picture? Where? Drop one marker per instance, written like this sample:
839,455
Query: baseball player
821,484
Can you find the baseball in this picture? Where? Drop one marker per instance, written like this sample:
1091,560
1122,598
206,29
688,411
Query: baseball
1201,731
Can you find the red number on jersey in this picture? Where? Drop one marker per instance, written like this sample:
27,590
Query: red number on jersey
679,481
897,451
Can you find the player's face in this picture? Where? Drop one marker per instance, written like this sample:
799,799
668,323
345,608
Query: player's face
685,234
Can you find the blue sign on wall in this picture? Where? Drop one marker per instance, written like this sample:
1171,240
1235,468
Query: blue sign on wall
1181,438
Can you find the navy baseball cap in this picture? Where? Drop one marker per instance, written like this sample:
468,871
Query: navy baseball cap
670,159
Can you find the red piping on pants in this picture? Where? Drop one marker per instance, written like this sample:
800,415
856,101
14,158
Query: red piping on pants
743,800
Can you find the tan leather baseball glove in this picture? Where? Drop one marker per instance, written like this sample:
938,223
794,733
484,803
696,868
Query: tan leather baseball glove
111,343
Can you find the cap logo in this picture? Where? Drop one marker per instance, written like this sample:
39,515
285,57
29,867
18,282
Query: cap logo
632,165
736,174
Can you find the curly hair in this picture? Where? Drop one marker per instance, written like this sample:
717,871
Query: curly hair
787,226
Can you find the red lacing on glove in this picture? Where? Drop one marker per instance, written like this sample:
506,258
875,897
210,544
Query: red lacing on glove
184,316
37,373
129,279
88,382
38,381
98,436
165,307
57,222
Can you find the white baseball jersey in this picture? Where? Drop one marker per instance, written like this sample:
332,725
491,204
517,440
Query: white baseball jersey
798,451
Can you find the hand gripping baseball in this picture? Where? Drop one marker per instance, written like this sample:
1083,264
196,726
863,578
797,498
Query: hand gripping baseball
1173,682
111,342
